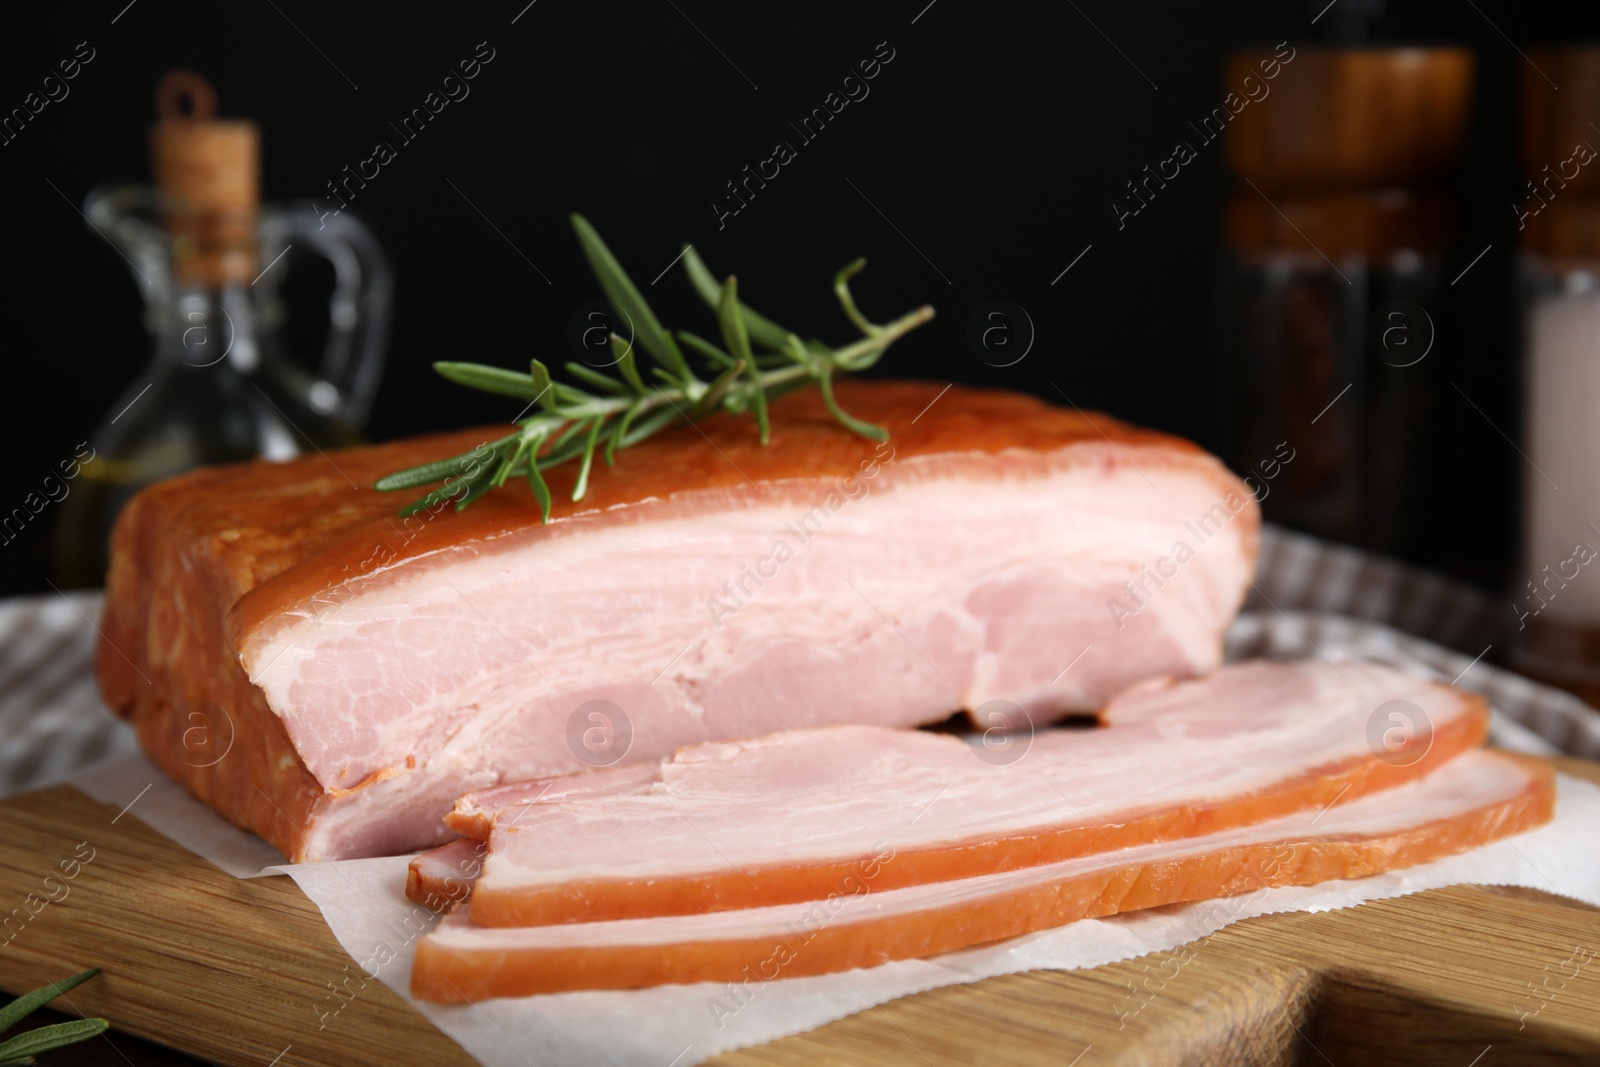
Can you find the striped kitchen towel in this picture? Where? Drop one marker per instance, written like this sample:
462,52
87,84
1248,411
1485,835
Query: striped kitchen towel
51,720
1301,573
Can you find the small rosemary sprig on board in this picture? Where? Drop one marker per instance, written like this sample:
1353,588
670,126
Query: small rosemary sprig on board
23,1047
757,361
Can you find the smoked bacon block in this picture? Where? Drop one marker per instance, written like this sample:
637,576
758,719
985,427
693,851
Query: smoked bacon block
361,671
1475,799
784,818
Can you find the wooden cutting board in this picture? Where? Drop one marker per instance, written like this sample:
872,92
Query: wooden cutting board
233,971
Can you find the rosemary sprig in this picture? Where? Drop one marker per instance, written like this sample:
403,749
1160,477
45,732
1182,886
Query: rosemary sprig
22,1048
757,360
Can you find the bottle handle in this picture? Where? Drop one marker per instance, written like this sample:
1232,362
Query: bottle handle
128,216
358,312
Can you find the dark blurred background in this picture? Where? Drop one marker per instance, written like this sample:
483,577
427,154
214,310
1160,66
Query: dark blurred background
984,161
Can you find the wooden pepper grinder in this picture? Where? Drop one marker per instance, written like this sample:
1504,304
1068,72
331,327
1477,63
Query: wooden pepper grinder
208,173
1338,231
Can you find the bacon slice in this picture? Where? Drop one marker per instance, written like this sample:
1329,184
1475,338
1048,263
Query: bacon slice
369,669
436,878
442,878
784,818
1473,800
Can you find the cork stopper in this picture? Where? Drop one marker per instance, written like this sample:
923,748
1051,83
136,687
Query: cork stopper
208,172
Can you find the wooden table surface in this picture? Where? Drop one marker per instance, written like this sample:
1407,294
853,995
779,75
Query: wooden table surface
229,970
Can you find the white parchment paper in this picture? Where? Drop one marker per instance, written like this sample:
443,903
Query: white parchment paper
364,904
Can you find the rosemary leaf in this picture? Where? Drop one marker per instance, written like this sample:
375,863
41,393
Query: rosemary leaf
712,398
625,364
430,501
447,492
766,333
620,434
734,335
705,348
785,388
508,462
763,422
841,289
863,361
539,375
21,1048
444,468
596,379
572,430
796,350
488,379
473,494
625,297
541,491
865,429
618,429
569,446
581,486
648,426
28,1003
732,323
477,485
568,394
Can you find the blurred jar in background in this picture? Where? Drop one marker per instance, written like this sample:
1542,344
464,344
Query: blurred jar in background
220,385
1556,599
1337,231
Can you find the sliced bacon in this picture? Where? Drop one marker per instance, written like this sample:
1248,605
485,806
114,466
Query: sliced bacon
442,878
785,818
1473,800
